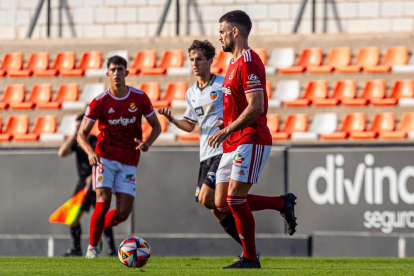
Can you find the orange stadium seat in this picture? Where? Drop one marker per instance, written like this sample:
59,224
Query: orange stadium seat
173,91
366,57
63,61
382,122
43,124
373,89
273,124
293,123
405,126
394,56
344,89
146,127
221,62
308,57
89,60
401,89
37,61
12,61
192,136
354,122
143,59
269,89
66,93
171,58
337,57
152,89
17,124
14,93
262,54
39,93
317,89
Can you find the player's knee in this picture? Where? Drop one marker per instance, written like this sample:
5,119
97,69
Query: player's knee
123,214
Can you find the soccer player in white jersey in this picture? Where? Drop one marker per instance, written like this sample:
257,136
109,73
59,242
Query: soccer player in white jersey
205,107
115,159
245,137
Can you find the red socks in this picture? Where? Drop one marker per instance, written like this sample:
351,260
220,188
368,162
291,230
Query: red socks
112,219
245,225
97,223
257,202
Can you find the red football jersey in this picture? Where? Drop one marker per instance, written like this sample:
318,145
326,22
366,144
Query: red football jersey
119,123
245,75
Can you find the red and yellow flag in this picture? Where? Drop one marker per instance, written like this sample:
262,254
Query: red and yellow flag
68,212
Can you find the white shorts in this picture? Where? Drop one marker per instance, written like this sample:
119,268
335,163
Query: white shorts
112,174
245,164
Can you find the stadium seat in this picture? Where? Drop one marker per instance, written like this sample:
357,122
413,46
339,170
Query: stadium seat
308,57
14,93
12,61
66,93
173,92
221,63
90,91
89,60
373,89
280,58
262,54
143,59
406,68
366,57
101,72
322,123
165,136
273,123
65,129
38,94
43,124
286,90
17,124
293,123
181,71
317,89
37,61
337,57
169,59
344,89
63,61
393,56
382,122
402,92
354,122
152,89
406,126
269,89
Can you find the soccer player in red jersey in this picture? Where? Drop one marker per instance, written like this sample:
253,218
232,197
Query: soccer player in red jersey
245,137
119,111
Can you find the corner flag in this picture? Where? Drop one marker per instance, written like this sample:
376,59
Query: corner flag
69,211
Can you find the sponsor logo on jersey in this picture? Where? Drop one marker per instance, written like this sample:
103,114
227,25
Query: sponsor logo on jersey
199,111
238,159
130,177
214,95
123,121
132,107
100,178
111,110
88,110
253,80
232,74
226,91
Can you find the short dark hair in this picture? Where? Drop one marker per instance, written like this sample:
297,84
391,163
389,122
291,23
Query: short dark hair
116,60
238,19
205,46
80,117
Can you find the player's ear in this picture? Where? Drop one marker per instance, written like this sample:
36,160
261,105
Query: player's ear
210,61
126,73
107,73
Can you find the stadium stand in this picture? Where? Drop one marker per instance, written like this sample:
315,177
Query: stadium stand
39,93
286,90
221,62
293,123
382,122
337,57
394,56
89,92
66,93
344,89
405,68
37,62
89,60
180,71
15,93
366,57
152,89
11,61
308,57
65,129
43,124
354,122
373,89
169,59
322,123
404,128
17,124
102,71
143,59
63,61
174,93
317,89
280,58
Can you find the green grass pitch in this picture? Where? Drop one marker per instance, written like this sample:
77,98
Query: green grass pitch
205,266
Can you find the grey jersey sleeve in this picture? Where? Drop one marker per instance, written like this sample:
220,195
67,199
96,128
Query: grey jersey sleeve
190,114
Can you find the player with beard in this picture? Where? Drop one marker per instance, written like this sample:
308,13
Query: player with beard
245,137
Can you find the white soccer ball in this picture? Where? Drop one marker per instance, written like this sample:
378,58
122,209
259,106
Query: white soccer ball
134,252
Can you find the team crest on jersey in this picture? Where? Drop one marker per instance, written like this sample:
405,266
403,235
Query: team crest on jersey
238,159
100,178
232,74
130,177
132,107
213,95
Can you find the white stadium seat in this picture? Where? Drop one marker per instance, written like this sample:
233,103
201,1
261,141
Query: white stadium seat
280,58
66,128
322,123
407,68
89,92
180,71
286,90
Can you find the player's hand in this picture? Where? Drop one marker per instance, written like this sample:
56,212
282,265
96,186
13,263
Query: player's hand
217,138
166,112
93,158
220,123
142,145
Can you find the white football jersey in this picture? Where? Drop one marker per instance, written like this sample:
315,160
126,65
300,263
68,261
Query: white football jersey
205,107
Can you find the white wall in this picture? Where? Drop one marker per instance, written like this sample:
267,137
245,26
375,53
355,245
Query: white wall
139,18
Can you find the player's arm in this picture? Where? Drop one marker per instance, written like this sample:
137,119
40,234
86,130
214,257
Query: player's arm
155,132
183,124
253,110
66,148
82,138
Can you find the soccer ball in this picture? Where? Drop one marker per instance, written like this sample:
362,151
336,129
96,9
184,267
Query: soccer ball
134,252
